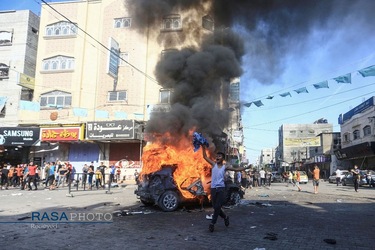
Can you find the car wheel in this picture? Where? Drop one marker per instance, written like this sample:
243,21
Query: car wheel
343,182
147,202
169,201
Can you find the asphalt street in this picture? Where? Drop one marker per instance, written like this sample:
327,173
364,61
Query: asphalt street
279,217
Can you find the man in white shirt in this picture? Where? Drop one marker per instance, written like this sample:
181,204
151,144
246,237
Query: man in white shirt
338,176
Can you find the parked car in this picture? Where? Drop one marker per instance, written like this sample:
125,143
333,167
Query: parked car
332,178
348,179
303,177
159,188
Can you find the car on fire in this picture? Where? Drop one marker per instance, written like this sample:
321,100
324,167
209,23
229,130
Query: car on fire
159,188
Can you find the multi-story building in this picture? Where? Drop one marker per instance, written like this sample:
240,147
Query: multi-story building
358,136
96,79
267,157
18,49
296,141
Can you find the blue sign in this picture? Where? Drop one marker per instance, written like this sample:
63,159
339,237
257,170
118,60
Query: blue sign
359,109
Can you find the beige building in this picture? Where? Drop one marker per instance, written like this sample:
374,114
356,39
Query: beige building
95,78
297,140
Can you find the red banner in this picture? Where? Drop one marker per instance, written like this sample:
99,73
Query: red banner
60,134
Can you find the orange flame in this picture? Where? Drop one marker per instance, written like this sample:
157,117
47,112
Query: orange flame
191,165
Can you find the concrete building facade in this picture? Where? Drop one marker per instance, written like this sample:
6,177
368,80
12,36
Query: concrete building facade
358,136
18,50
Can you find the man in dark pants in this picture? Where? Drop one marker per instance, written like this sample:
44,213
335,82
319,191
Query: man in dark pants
356,176
102,168
218,186
32,175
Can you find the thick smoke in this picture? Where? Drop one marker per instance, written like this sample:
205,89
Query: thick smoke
272,29
198,77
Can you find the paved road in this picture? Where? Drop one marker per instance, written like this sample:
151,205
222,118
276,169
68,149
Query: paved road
292,219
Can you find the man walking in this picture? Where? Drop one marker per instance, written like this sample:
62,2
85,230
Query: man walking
218,186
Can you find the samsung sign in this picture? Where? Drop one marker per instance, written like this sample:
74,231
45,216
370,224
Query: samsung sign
17,136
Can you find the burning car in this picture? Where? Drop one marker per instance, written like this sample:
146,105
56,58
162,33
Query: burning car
161,189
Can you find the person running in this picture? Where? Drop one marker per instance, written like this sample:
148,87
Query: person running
218,186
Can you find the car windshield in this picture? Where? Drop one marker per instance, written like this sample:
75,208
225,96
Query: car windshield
302,172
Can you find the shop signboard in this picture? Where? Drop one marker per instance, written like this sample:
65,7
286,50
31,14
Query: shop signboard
19,136
61,134
110,130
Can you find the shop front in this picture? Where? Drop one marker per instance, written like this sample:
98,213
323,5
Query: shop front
120,144
16,143
362,155
62,143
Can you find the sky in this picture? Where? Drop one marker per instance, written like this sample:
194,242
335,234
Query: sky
283,55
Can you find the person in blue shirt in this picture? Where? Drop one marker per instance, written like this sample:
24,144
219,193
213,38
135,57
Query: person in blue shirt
218,185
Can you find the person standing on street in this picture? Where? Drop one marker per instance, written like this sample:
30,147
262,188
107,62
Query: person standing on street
316,177
218,186
32,175
356,177
338,176
262,174
102,168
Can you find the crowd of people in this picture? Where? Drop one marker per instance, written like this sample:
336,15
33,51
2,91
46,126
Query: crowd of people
58,174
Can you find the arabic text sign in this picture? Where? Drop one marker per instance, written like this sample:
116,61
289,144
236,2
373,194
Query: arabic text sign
110,130
18,136
61,134
302,142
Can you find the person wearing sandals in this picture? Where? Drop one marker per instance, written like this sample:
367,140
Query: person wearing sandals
218,185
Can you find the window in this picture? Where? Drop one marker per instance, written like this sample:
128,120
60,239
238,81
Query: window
208,23
58,63
117,96
367,130
356,135
123,22
165,96
346,137
4,71
124,58
172,22
61,29
6,38
167,52
56,99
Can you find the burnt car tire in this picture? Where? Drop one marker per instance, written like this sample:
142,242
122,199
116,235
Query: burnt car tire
169,201
235,197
